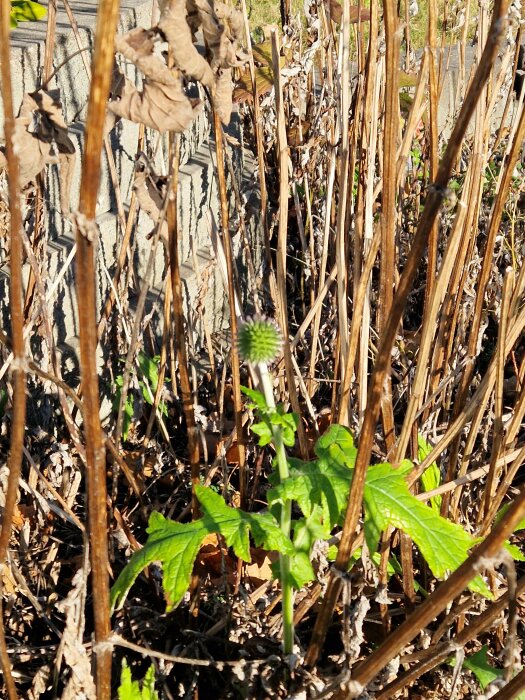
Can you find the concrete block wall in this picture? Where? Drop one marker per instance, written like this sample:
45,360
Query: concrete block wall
197,194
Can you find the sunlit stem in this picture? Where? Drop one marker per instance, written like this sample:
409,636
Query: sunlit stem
286,512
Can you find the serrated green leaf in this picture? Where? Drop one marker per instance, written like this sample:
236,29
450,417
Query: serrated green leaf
480,667
431,477
257,398
148,685
484,672
372,531
514,551
128,688
301,570
131,690
320,483
337,446
176,545
324,482
233,524
287,422
264,431
443,544
308,530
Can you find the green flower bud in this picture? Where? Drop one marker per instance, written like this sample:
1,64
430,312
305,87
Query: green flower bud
259,340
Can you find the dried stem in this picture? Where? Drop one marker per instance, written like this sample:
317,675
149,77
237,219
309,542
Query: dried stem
107,17
234,354
433,203
14,460
389,214
178,319
282,241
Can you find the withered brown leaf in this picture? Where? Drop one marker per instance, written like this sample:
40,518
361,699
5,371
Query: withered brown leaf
162,103
40,134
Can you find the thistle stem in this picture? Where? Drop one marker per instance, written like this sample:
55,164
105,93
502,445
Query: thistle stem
286,513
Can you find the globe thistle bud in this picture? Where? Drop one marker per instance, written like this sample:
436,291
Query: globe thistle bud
259,340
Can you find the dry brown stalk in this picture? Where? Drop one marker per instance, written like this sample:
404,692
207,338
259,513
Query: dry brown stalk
436,654
498,434
441,597
387,269
343,164
234,354
282,242
14,460
434,200
178,319
434,140
86,233
259,142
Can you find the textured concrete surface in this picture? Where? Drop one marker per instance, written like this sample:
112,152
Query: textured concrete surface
198,202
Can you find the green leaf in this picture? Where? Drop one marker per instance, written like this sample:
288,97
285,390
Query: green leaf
431,477
26,11
484,672
277,419
443,544
234,524
129,406
150,368
480,667
301,570
320,483
337,446
257,397
324,482
264,431
387,500
131,690
176,545
514,551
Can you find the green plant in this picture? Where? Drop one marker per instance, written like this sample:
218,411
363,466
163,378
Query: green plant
26,11
320,487
484,672
149,367
136,690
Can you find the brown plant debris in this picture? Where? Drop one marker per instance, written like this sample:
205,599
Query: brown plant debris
162,104
40,138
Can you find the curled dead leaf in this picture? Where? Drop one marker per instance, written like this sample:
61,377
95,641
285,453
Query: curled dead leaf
174,26
149,191
223,95
162,103
40,135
